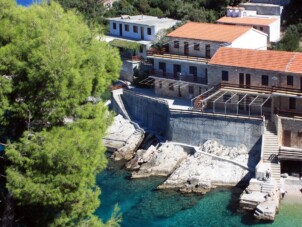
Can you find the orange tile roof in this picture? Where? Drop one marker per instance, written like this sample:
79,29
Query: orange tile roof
247,20
209,32
280,61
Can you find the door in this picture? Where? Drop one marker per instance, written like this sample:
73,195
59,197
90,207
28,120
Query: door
142,33
162,67
208,51
186,48
193,71
286,138
247,80
176,70
121,30
241,79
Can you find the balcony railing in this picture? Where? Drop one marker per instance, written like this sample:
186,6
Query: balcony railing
286,90
288,113
179,77
165,54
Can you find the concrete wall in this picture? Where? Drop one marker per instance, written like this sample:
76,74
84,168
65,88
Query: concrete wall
147,112
253,39
263,9
196,128
189,128
276,2
275,31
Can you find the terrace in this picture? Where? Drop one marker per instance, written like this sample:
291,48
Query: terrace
164,54
179,77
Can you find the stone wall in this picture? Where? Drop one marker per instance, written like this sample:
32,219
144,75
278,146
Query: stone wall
214,76
295,127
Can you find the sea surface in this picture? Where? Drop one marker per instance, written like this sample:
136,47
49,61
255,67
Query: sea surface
26,2
143,206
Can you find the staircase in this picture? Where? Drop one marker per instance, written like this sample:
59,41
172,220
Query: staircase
268,186
271,151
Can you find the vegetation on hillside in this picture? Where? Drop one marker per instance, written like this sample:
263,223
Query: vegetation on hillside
50,62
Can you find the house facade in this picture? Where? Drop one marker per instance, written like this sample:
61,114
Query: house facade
181,69
137,31
273,79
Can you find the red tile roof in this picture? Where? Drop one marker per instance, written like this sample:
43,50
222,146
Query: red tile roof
209,32
247,20
280,61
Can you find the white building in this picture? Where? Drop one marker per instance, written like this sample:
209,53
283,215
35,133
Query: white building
139,27
266,23
128,31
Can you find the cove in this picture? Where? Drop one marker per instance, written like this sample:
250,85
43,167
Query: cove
142,205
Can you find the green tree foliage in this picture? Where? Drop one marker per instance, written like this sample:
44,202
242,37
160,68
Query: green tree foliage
194,10
50,62
57,61
290,41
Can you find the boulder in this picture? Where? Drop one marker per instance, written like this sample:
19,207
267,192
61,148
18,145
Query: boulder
122,138
158,162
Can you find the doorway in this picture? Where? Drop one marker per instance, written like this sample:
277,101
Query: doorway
244,80
286,138
176,70
162,67
121,30
186,48
142,33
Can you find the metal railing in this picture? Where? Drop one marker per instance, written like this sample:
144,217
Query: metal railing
262,88
165,54
179,77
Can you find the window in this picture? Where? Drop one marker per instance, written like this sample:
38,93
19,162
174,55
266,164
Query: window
149,31
126,27
135,29
264,80
225,76
160,84
200,90
191,90
196,46
261,28
290,80
176,44
171,86
292,103
114,26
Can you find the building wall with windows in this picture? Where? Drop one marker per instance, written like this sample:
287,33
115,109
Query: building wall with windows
277,79
196,48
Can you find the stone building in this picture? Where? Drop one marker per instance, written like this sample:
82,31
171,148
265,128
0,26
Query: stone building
181,68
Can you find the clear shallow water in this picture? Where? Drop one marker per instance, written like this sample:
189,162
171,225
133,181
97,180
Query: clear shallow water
142,205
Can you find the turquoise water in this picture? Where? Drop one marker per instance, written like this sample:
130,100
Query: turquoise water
142,205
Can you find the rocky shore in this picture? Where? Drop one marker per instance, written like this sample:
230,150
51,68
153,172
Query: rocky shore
187,168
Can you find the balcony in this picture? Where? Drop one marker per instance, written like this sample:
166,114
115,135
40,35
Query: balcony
179,77
163,54
275,89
